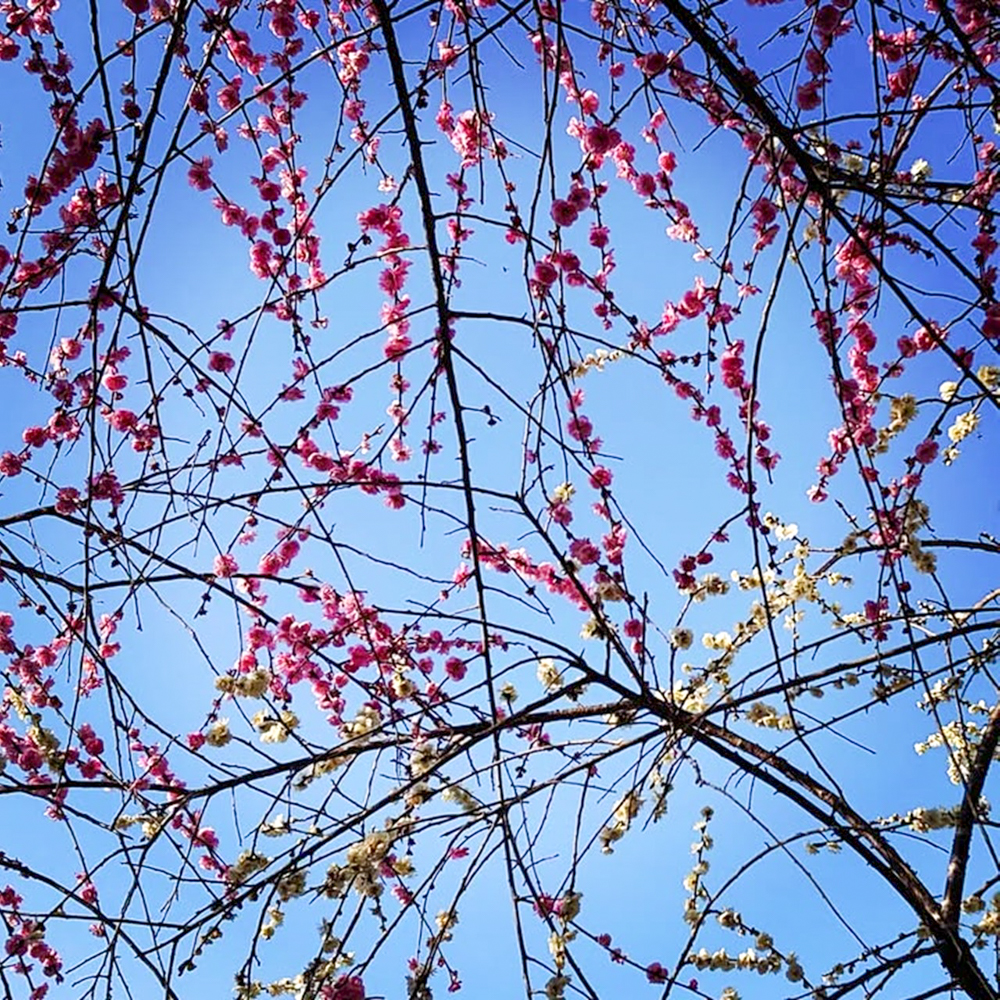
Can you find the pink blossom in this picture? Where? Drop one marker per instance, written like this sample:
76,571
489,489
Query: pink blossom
67,500
580,197
455,668
584,551
345,988
123,420
11,464
229,95
114,381
199,174
225,565
645,185
220,361
656,973
816,62
283,24
600,139
901,82
652,64
600,477
545,273
599,236
469,136
632,628
991,323
927,339
35,437
564,213
807,97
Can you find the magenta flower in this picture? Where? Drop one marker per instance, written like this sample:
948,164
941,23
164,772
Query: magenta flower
200,174
220,361
564,213
656,973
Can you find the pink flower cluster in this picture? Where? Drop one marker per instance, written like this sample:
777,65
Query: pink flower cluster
345,987
470,134
26,940
387,221
346,470
503,559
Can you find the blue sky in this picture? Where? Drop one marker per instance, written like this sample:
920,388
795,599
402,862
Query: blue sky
667,479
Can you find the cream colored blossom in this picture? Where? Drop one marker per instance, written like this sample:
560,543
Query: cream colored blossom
964,425
253,684
446,921
563,493
721,641
681,638
291,885
625,811
275,729
245,866
402,686
989,375
218,734
549,675
276,827
555,988
365,722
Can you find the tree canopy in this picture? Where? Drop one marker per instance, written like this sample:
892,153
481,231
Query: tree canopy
457,453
